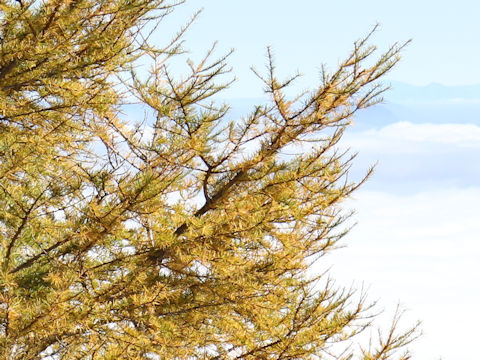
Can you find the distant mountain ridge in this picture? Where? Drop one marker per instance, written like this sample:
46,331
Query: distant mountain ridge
433,103
434,92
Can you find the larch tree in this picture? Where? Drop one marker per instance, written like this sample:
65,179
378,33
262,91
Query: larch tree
187,236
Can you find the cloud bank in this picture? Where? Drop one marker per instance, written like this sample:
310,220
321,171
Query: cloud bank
417,157
421,249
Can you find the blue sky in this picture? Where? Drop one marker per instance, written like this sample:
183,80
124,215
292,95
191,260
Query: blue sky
307,33
419,217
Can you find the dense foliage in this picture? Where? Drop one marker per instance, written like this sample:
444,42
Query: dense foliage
187,236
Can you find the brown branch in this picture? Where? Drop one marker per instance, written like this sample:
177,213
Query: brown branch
19,230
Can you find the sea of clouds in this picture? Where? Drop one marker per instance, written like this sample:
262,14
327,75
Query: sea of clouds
417,238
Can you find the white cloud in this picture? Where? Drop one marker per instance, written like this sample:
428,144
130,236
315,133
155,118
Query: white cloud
421,249
418,157
406,137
